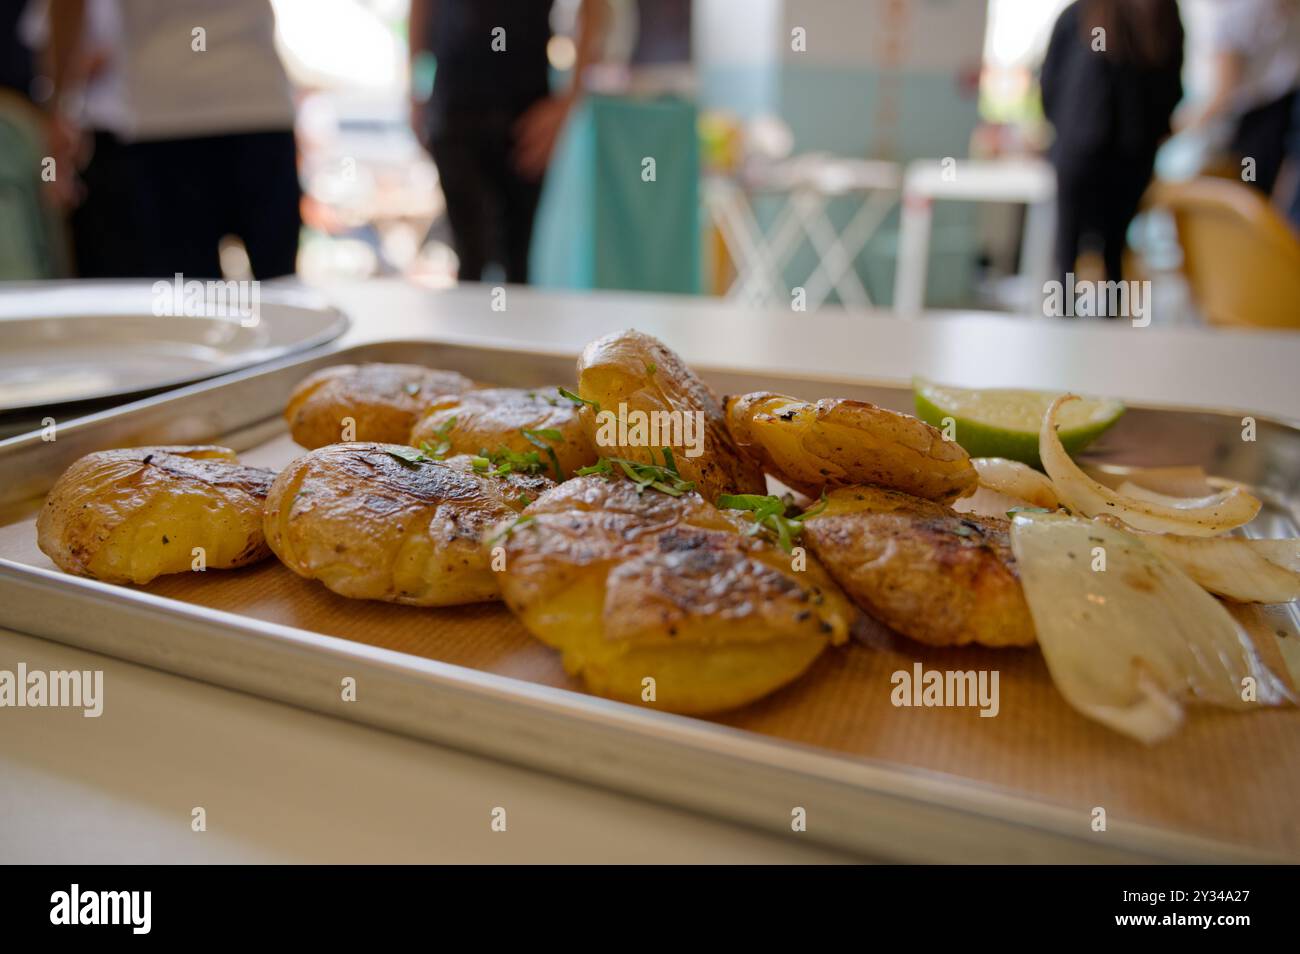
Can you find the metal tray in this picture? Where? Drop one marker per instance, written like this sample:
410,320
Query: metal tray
882,808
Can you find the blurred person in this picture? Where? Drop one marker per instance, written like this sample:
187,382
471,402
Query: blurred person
491,122
201,108
1256,49
1111,109
17,65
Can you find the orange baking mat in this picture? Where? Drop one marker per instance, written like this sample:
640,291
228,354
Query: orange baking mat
1232,777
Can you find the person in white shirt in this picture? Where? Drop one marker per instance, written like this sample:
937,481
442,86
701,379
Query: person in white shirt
1257,72
197,96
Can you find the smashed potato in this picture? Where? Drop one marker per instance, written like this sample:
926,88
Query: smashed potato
635,586
839,443
128,516
662,403
940,577
366,402
384,522
516,419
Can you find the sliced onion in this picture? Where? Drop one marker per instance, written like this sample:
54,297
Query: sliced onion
1131,644
1203,517
1247,571
1014,479
1147,495
989,503
1183,481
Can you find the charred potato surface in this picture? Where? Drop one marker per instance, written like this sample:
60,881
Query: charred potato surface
379,521
839,442
633,374
128,516
940,577
486,420
634,586
382,402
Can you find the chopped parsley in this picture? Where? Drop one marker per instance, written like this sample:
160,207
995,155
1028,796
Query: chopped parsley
408,456
539,438
566,393
663,478
775,515
443,434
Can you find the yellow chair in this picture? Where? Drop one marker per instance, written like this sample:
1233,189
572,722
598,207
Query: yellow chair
1241,258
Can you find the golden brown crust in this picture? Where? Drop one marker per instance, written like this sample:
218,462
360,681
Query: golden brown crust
637,370
837,442
942,578
632,585
130,515
382,402
484,420
371,524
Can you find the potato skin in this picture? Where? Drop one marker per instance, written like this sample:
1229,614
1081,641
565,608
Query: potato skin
940,577
635,369
384,401
128,516
370,525
631,585
843,443
495,417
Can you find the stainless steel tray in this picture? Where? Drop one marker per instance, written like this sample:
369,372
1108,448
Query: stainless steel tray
879,810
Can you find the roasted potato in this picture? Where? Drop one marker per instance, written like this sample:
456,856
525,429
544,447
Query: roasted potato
382,522
127,516
635,585
842,443
366,402
487,420
638,379
940,577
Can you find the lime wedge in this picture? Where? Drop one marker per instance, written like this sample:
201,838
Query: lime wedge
1005,423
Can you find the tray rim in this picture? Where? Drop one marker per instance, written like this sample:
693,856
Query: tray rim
1047,832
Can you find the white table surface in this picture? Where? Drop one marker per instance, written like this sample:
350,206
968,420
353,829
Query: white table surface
280,784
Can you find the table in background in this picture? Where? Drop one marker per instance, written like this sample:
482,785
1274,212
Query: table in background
1028,181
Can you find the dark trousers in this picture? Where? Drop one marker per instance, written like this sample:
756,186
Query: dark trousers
193,192
1261,135
1095,203
489,205
105,236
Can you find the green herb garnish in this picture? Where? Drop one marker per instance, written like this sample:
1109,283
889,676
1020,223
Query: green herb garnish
408,456
503,460
539,438
443,434
772,514
663,478
566,393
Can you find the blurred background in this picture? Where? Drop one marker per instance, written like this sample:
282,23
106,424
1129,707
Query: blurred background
881,154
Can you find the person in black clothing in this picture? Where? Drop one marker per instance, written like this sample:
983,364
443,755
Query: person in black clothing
1110,82
17,69
491,121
